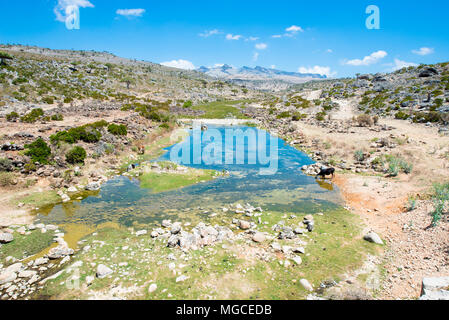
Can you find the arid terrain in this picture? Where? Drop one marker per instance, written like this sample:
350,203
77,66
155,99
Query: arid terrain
73,120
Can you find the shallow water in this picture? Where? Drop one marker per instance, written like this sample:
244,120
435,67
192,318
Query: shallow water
121,200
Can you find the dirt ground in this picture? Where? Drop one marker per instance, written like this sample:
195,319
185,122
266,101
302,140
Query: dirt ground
414,250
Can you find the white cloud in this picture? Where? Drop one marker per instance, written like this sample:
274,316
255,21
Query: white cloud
252,39
130,12
399,64
294,29
180,64
424,51
276,36
261,46
324,71
368,60
273,66
233,37
209,33
61,8
256,56
329,51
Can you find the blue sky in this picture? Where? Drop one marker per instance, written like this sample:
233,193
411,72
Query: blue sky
328,37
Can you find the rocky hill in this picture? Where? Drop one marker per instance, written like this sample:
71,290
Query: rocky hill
38,77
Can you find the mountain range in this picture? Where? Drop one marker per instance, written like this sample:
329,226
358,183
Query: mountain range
228,72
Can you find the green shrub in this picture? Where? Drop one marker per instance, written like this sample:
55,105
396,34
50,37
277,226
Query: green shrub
76,155
188,104
13,116
440,199
118,130
57,117
48,100
401,115
33,115
39,151
29,167
87,133
320,116
284,114
5,164
359,155
6,179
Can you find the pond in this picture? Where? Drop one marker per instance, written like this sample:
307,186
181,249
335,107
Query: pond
288,190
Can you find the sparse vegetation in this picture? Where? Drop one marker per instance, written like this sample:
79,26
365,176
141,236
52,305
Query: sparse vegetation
76,155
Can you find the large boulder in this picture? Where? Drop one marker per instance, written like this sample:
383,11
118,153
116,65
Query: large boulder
59,252
6,238
435,289
428,72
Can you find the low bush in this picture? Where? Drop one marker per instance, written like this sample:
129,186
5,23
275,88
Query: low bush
364,120
11,117
48,100
39,151
6,179
76,155
359,155
118,130
188,104
5,165
440,200
87,133
57,117
33,116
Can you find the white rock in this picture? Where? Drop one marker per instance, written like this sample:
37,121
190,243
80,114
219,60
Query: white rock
103,271
152,288
181,278
141,233
306,284
373,237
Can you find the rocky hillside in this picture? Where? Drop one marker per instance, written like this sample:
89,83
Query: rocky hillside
49,78
419,94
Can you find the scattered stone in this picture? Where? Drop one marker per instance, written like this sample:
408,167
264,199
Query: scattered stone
306,284
59,252
141,233
103,271
244,225
181,278
6,238
259,237
373,237
297,260
152,288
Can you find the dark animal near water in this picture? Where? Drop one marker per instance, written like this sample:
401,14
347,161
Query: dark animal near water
326,172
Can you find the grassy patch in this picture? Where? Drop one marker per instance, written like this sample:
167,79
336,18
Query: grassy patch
40,199
160,182
220,110
28,245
